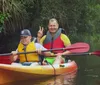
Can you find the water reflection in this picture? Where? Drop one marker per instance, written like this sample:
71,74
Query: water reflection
67,79
88,76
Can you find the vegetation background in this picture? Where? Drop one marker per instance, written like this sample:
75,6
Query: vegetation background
80,19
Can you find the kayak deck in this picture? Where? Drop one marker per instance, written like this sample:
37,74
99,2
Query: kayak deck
11,73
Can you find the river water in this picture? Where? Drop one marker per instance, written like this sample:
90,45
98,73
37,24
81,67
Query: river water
88,74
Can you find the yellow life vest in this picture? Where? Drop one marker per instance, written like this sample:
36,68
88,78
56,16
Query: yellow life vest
31,57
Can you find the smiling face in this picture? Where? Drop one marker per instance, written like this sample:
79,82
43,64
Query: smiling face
25,40
53,26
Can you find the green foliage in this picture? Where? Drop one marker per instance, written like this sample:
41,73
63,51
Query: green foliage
75,16
80,18
3,18
92,39
13,9
94,18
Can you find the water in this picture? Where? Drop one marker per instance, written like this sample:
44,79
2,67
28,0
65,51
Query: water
89,70
68,79
88,74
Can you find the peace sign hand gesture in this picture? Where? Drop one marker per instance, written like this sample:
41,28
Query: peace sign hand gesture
40,32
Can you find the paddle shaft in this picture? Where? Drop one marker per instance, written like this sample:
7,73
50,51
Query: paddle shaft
78,54
97,53
57,49
74,48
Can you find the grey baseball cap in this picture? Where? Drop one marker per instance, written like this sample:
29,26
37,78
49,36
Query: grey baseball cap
25,32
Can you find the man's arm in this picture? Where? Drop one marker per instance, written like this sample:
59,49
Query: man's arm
14,56
39,47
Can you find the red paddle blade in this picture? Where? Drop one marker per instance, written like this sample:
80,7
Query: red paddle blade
96,53
78,47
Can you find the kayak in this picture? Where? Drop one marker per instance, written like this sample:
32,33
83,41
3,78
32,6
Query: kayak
5,59
15,71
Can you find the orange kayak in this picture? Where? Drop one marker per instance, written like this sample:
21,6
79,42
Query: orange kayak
15,72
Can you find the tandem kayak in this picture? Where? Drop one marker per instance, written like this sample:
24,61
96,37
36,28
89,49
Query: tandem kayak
15,72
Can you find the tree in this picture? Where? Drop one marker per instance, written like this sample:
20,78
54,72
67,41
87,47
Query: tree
11,8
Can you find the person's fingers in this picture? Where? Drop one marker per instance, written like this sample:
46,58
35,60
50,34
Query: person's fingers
39,51
14,52
58,54
42,29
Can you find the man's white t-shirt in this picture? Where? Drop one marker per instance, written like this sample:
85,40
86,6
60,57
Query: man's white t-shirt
39,46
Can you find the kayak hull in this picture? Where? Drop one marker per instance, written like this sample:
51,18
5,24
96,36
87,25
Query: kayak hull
11,73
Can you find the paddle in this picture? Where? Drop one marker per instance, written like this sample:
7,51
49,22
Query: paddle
97,53
74,48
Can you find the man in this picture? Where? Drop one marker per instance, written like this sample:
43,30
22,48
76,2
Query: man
26,45
54,39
